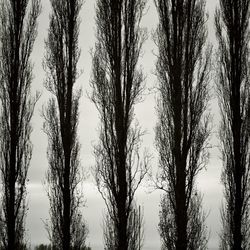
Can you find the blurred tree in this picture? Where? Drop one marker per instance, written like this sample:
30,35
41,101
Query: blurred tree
43,247
49,247
232,30
117,86
67,229
18,30
183,127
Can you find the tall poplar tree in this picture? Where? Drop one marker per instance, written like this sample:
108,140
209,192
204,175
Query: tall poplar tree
117,86
183,128
18,30
67,229
233,84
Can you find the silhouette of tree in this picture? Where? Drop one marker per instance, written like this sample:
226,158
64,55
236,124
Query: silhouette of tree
43,247
182,130
232,30
67,229
117,86
18,29
197,231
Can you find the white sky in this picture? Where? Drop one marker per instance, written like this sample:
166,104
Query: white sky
208,181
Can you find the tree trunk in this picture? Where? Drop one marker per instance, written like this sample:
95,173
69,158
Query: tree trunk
11,208
122,182
181,213
66,211
11,238
68,136
181,210
237,216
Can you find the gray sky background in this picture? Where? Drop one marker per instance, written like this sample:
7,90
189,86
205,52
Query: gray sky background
208,180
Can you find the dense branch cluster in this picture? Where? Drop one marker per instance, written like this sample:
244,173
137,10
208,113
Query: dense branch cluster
18,29
232,30
182,130
117,86
67,228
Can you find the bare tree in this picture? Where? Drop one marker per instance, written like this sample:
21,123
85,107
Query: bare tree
67,229
117,86
232,30
183,127
18,29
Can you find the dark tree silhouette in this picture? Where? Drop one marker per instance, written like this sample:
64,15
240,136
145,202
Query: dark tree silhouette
18,29
67,229
49,247
183,127
197,231
232,30
117,86
43,247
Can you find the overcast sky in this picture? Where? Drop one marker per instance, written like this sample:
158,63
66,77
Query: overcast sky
208,181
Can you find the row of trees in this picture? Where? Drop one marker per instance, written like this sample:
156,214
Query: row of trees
183,69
